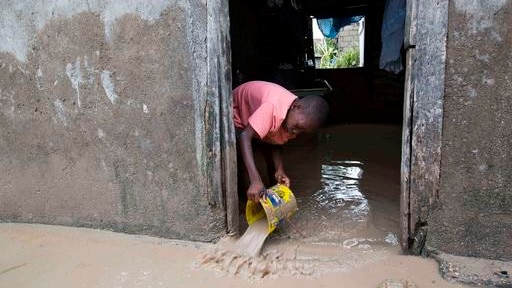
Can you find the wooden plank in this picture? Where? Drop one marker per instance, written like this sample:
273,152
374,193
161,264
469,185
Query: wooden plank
427,117
411,23
223,147
406,149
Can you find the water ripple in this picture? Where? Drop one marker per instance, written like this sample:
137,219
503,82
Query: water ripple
340,190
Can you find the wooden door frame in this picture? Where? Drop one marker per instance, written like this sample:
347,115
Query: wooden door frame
218,114
425,42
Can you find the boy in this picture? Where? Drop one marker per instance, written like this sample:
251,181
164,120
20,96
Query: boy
267,112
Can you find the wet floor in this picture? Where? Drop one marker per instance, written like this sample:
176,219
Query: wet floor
346,180
54,256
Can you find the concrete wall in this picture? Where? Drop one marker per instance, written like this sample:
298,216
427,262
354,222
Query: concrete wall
102,108
473,213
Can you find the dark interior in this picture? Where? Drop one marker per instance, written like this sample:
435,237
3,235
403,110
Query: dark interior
266,34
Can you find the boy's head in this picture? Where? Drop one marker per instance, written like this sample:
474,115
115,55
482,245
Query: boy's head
306,115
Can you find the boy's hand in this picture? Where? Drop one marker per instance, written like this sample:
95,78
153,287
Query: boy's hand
281,178
255,190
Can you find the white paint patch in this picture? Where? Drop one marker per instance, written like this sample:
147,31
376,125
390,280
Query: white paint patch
4,94
103,165
483,167
39,78
487,81
21,20
145,108
483,57
145,145
108,86
391,239
12,112
496,36
75,76
61,111
481,13
90,70
101,134
472,92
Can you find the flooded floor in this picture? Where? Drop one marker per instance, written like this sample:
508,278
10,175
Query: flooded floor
347,183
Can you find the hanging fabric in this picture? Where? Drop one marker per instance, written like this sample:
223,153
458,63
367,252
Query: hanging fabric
392,35
330,27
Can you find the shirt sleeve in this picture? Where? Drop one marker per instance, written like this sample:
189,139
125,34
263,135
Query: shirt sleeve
261,119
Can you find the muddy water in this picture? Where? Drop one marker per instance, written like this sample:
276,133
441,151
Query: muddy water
346,182
252,241
52,256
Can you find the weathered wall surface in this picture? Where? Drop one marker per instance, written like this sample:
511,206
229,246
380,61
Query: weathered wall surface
101,117
473,214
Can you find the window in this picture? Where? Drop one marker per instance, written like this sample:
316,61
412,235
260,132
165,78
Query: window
338,42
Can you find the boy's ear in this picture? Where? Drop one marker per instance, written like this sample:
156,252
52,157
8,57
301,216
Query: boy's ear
296,104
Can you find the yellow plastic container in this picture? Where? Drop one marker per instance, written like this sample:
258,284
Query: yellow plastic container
278,205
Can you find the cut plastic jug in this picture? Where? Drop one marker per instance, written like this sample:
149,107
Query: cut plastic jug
278,205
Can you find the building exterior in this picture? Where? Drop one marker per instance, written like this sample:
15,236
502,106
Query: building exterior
110,115
117,116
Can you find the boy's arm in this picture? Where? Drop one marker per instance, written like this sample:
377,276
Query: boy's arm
256,186
279,166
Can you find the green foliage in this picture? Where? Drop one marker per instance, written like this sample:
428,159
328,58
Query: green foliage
332,58
348,59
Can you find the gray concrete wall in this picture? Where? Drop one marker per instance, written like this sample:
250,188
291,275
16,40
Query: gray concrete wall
102,108
472,215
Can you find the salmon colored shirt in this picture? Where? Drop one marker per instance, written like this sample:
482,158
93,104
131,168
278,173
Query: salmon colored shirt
264,106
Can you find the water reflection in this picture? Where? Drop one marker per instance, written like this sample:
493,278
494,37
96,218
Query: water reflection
340,191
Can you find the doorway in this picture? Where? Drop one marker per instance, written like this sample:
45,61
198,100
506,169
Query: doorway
346,177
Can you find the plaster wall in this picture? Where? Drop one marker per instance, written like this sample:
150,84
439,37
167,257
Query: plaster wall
472,215
102,117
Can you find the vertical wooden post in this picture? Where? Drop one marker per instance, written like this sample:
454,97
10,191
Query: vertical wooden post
406,150
219,87
426,36
409,44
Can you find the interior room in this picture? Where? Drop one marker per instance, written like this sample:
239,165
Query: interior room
346,177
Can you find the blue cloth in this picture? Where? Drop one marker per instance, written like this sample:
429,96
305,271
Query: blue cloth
392,34
330,27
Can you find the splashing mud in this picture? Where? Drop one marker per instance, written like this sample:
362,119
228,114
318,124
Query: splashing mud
242,258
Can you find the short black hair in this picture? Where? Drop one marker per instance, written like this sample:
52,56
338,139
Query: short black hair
315,108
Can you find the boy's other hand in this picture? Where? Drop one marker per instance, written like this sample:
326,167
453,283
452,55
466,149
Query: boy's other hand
254,193
281,178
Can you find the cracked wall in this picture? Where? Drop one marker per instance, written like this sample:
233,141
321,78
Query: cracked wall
473,213
101,120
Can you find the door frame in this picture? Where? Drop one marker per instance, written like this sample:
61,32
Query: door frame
218,115
426,31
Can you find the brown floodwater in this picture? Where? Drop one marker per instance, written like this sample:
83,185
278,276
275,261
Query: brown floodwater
346,180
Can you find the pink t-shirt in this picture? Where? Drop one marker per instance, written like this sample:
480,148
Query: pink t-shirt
264,106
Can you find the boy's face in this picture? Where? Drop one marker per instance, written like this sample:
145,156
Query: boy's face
296,122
